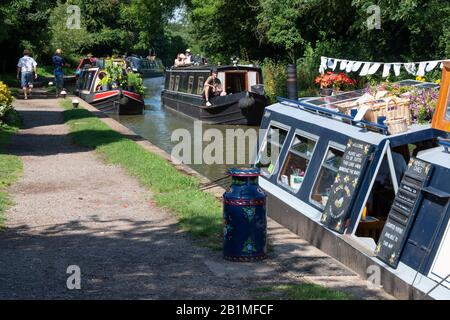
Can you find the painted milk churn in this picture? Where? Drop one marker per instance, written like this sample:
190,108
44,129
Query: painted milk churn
245,221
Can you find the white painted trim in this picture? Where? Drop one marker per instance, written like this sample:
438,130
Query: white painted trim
369,190
278,125
331,144
294,202
306,135
392,170
445,241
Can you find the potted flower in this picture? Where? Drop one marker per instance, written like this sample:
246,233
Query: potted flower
331,82
422,104
325,81
106,82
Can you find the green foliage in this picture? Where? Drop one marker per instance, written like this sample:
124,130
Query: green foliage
135,80
73,41
10,167
199,213
275,76
6,100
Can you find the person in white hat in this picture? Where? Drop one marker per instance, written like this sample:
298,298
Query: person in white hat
188,59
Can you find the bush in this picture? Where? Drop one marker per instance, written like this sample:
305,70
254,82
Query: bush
275,78
5,101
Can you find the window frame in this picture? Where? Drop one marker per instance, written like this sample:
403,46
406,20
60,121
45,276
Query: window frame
177,83
201,83
171,82
190,84
306,135
334,145
277,125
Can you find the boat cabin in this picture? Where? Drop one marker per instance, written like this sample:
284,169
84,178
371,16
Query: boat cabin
235,79
244,103
361,195
110,98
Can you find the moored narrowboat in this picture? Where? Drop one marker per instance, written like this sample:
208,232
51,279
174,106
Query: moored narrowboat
147,68
243,103
111,98
379,202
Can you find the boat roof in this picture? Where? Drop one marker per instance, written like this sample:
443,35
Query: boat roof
330,102
323,112
341,127
210,67
436,156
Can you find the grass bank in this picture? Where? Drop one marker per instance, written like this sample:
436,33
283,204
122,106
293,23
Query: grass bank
10,168
303,291
199,213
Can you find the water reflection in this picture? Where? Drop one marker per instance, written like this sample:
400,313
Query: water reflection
158,123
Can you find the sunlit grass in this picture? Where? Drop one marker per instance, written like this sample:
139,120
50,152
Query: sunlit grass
10,169
302,291
198,213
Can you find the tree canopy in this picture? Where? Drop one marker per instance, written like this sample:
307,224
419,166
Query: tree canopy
282,30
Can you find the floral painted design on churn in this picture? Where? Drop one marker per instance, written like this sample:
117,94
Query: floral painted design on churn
245,220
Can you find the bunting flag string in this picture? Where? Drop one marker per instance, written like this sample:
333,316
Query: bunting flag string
369,68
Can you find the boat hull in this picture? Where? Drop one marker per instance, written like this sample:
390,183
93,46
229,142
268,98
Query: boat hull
225,110
116,101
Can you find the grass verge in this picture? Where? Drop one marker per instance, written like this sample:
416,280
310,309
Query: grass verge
303,291
199,213
10,168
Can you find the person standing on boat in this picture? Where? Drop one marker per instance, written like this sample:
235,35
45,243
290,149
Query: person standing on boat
25,68
180,60
213,87
58,64
188,59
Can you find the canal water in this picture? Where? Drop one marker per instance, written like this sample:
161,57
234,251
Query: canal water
158,123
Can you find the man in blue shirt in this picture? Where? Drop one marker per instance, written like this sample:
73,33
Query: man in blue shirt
59,63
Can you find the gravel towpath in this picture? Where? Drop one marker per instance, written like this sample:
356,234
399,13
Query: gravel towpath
73,209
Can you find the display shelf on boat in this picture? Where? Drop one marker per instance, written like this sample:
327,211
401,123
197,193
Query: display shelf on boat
361,194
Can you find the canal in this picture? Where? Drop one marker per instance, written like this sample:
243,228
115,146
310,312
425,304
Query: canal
158,123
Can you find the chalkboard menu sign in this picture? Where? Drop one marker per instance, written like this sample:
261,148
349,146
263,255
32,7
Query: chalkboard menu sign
342,194
403,212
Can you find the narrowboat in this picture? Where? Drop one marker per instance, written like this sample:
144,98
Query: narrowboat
111,98
377,202
244,103
147,68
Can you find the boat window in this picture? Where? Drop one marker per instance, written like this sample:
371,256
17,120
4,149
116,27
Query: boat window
89,77
327,175
270,151
297,162
190,84
172,81
177,83
201,82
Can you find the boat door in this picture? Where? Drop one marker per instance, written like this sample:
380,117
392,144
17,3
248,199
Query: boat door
441,119
235,81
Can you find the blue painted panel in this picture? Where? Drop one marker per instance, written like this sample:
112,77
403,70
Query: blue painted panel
431,222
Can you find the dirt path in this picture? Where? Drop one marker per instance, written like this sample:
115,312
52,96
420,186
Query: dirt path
72,209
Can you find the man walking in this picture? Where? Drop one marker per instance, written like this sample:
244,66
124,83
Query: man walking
26,72
59,63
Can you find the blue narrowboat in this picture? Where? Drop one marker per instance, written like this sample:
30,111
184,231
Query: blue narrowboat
370,199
